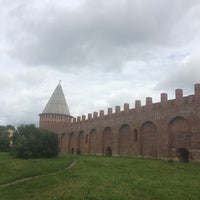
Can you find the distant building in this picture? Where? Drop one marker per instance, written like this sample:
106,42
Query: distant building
10,133
169,129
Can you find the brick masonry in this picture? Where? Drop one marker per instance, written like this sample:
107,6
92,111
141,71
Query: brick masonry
169,129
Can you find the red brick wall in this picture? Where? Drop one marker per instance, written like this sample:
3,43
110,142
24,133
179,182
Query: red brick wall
156,130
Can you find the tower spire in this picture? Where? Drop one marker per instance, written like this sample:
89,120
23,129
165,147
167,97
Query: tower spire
56,116
57,103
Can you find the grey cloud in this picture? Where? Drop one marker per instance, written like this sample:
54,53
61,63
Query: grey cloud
97,34
183,75
111,52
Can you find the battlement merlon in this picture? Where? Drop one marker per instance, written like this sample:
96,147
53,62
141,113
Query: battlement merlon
95,115
83,118
164,103
149,104
138,105
197,92
101,113
126,107
109,111
117,109
163,98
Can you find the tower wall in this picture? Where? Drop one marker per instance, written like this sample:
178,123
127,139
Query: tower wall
54,122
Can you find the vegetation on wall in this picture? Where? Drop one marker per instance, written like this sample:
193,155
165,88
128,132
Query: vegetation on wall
32,142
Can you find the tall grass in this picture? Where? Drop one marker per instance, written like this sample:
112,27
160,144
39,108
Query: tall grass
96,177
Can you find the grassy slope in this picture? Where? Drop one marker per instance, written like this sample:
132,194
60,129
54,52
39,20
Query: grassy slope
12,169
108,178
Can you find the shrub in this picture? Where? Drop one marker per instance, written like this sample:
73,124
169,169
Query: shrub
31,142
5,140
4,143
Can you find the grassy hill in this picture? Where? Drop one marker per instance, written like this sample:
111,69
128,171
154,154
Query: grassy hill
95,177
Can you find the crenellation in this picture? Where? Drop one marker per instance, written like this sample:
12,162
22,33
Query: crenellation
109,111
117,109
95,115
179,93
163,98
148,100
89,116
179,96
126,107
197,89
83,118
78,119
138,105
197,92
149,105
101,113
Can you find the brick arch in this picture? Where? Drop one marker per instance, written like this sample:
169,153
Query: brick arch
71,142
179,133
92,141
149,139
106,140
125,140
81,142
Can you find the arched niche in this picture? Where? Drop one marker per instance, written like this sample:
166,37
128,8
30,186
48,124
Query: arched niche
125,140
81,142
179,133
71,142
106,140
149,139
92,141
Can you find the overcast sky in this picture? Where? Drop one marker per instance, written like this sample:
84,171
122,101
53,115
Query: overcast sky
106,52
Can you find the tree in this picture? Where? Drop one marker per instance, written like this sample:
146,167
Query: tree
4,142
5,138
31,142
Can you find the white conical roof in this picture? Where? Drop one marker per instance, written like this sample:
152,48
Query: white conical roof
57,103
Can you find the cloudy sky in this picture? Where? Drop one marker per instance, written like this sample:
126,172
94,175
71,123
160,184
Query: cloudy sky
106,52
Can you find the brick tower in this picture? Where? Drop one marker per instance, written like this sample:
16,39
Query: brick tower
56,116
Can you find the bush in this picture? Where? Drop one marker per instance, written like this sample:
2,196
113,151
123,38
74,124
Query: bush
4,143
31,142
5,140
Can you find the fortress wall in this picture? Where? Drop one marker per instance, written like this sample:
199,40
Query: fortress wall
155,130
145,131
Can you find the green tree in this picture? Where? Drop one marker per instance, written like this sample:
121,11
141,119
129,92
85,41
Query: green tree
2,129
5,140
31,142
10,127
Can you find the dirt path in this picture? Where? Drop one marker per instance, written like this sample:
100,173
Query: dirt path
33,177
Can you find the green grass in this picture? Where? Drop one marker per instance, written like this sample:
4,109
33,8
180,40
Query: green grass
96,177
12,169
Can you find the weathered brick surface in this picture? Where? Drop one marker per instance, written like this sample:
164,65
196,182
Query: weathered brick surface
169,129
